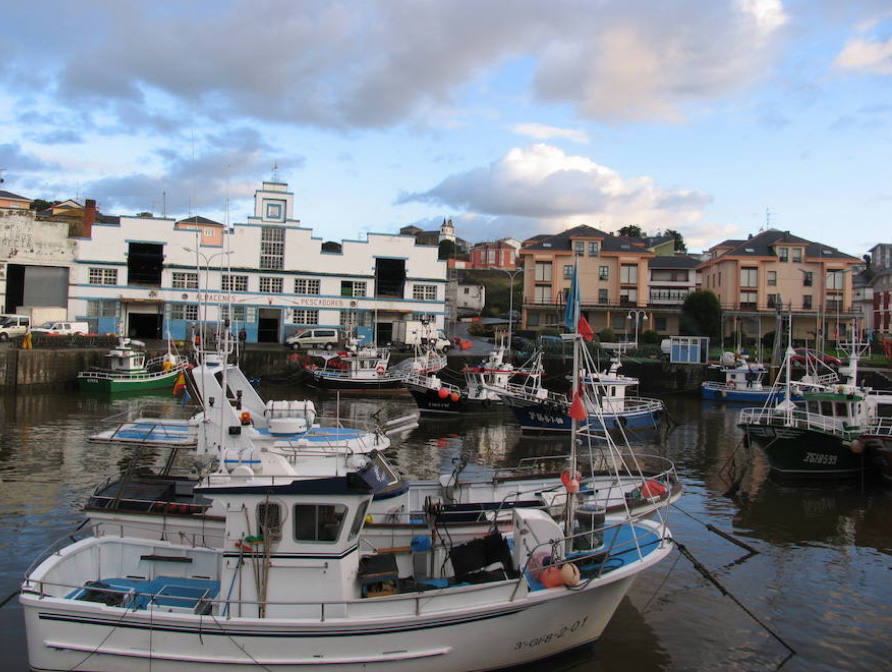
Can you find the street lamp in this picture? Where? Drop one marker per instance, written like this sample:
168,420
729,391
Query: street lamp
511,273
639,315
207,273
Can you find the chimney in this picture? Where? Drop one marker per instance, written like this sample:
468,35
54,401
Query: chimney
89,218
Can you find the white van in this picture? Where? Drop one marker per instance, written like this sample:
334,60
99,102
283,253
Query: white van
13,325
313,338
62,328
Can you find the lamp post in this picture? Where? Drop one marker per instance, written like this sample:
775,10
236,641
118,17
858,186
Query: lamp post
207,271
512,274
638,315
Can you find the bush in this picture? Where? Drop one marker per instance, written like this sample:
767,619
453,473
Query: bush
607,335
650,337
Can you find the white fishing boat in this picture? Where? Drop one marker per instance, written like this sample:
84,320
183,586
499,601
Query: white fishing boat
296,586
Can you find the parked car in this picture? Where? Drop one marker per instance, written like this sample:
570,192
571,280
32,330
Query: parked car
313,338
12,326
60,328
803,354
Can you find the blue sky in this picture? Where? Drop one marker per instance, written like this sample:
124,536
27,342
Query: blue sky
512,118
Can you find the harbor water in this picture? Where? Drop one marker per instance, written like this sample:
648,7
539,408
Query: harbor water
820,580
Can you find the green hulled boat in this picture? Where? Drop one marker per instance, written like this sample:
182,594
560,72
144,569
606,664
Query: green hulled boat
128,370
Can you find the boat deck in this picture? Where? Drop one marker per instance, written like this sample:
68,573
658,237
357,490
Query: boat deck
170,593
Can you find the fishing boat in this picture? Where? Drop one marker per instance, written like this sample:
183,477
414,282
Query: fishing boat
610,402
296,585
129,370
742,382
820,436
480,391
463,503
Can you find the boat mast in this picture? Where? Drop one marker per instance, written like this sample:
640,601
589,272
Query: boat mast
577,391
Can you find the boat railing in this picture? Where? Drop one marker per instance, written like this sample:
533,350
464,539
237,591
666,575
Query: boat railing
880,427
798,418
429,383
529,393
630,404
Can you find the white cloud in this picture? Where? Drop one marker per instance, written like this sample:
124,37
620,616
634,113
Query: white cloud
544,132
541,189
343,64
866,55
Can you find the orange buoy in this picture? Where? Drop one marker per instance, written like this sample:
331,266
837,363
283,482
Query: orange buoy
551,577
454,396
442,393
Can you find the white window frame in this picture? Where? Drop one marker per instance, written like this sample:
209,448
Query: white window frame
183,280
98,275
307,286
234,283
304,316
271,284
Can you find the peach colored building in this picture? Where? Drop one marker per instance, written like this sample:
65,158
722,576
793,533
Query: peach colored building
13,201
613,277
775,270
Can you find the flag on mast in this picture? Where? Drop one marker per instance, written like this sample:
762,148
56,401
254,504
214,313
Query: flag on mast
573,317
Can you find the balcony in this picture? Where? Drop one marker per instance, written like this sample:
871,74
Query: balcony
668,297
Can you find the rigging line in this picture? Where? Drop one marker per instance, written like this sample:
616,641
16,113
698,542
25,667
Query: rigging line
724,591
721,533
662,583
240,647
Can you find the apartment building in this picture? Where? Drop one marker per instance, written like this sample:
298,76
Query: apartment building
777,271
613,277
269,275
879,289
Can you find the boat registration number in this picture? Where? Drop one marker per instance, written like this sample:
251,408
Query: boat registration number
550,636
819,458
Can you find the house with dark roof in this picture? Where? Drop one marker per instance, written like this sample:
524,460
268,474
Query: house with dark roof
13,201
613,277
776,271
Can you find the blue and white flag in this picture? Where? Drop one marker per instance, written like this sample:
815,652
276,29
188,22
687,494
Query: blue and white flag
572,309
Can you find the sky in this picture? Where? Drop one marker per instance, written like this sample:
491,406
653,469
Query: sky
714,118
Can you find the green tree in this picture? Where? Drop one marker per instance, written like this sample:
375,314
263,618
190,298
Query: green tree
701,314
446,249
39,204
631,231
607,335
650,336
679,240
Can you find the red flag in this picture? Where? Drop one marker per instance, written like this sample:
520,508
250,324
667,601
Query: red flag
584,328
577,408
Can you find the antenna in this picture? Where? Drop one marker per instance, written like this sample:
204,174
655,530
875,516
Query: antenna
276,171
767,218
164,205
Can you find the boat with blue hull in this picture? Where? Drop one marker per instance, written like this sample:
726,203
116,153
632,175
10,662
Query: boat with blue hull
743,382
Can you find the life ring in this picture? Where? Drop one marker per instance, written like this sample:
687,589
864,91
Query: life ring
732,385
380,370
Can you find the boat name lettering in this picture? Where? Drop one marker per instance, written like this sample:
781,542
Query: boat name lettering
819,458
550,636
547,419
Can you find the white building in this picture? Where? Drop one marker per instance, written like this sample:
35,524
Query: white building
269,275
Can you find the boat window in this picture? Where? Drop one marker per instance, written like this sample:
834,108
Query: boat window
269,520
357,520
827,408
318,522
842,409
